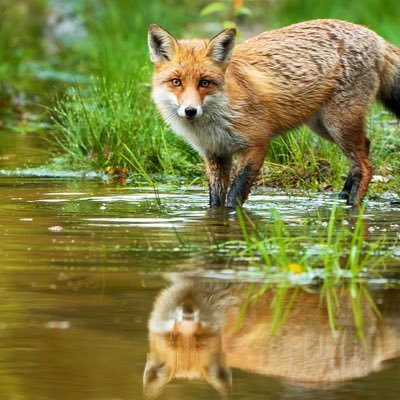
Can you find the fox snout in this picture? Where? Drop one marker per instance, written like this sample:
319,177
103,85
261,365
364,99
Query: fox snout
187,318
187,312
189,111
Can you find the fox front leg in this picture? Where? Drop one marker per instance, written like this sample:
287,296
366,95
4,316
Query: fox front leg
249,165
218,170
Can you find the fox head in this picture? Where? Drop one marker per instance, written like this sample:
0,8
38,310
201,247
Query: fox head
186,341
189,73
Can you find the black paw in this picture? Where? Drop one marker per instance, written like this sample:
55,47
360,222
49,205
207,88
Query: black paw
343,195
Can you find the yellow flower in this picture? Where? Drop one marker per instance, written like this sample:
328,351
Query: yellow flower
296,268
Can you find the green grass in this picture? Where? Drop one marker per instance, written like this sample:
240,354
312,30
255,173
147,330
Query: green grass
20,29
380,16
112,123
22,26
336,247
300,159
336,257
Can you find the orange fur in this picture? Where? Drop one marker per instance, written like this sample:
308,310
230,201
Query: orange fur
305,350
324,73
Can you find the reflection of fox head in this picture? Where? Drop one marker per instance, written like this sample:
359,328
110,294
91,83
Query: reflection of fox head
185,338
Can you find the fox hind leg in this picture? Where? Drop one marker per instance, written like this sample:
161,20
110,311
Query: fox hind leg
317,126
347,129
351,179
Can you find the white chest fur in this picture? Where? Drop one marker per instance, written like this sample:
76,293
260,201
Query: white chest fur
210,134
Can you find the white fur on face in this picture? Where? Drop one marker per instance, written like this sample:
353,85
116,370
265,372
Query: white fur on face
175,320
161,326
211,132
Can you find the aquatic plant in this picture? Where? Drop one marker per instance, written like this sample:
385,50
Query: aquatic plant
337,256
337,248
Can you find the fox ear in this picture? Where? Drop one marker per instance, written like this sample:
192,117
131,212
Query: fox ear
219,376
221,46
162,45
156,376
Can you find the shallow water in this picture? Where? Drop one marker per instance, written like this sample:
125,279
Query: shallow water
83,260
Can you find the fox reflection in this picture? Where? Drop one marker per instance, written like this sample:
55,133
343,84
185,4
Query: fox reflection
197,331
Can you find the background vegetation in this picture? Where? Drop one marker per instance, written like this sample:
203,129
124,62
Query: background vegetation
88,63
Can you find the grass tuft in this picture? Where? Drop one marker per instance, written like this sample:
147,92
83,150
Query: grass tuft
112,123
337,257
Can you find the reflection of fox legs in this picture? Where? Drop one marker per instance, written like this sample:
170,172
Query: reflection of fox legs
197,331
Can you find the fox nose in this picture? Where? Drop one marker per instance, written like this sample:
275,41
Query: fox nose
187,312
190,112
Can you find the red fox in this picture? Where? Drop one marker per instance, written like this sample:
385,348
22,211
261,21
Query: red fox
226,99
198,331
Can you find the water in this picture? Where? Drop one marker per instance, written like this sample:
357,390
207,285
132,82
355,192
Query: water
83,261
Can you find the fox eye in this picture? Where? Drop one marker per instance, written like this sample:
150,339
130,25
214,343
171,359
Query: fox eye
204,83
176,82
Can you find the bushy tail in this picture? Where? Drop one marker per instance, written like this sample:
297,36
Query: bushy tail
390,87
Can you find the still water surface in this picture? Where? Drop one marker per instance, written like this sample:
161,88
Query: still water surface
83,262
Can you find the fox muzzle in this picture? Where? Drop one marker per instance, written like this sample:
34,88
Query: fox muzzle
190,112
